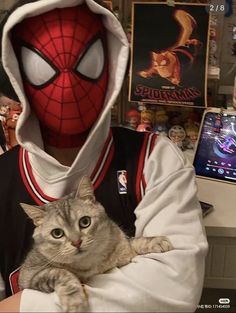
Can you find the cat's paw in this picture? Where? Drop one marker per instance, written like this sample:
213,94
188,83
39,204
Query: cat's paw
75,303
73,307
162,244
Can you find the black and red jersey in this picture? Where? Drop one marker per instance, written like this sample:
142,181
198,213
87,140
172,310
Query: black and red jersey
124,151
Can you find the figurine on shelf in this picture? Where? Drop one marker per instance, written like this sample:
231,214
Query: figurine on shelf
175,119
191,135
11,126
3,113
161,119
192,118
177,134
213,59
234,49
147,120
141,106
132,119
212,52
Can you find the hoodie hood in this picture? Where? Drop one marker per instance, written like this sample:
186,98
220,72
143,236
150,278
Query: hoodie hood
28,129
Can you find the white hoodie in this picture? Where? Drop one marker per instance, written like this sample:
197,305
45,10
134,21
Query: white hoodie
168,282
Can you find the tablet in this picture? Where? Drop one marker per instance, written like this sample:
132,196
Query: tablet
215,154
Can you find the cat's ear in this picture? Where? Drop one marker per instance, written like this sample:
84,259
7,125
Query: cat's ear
36,213
153,55
85,190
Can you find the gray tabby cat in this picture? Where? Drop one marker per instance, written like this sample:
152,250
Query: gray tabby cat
73,240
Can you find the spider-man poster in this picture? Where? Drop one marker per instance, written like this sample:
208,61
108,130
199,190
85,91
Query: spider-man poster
109,4
169,54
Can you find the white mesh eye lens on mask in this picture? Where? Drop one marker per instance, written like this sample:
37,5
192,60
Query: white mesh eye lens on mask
37,70
92,62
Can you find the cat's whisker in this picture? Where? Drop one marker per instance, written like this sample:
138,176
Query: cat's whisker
88,242
52,260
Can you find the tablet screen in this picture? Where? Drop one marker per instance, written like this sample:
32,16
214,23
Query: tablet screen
215,156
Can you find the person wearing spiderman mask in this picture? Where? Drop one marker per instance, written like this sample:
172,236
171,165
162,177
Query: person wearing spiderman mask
66,61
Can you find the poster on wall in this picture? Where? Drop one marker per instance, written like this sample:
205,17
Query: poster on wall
109,4
169,54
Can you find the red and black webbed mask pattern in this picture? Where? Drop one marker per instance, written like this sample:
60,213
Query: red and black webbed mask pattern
64,66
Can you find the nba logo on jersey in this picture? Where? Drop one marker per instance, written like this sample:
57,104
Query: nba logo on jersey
122,181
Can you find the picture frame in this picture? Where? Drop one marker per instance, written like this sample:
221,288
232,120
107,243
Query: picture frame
184,47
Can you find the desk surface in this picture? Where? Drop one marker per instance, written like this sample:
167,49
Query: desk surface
221,222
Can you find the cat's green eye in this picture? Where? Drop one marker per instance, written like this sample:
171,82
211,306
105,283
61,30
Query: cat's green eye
85,221
57,233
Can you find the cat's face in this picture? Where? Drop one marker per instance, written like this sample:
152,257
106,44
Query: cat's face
71,230
164,63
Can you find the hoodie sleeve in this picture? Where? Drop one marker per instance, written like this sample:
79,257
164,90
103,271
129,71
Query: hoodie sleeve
160,282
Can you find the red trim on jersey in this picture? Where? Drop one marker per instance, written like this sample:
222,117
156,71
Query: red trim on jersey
39,190
105,168
147,147
103,162
23,176
29,181
13,280
140,167
97,176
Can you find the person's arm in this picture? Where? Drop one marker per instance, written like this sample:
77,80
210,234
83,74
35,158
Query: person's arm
31,301
164,282
11,304
160,282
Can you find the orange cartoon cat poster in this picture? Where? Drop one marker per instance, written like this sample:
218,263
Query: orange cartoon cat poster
169,54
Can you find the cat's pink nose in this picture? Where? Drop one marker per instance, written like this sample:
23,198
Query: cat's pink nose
77,243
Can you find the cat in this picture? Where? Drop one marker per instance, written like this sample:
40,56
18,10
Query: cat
164,64
74,239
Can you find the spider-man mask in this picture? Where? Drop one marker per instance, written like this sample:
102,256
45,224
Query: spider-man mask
64,66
